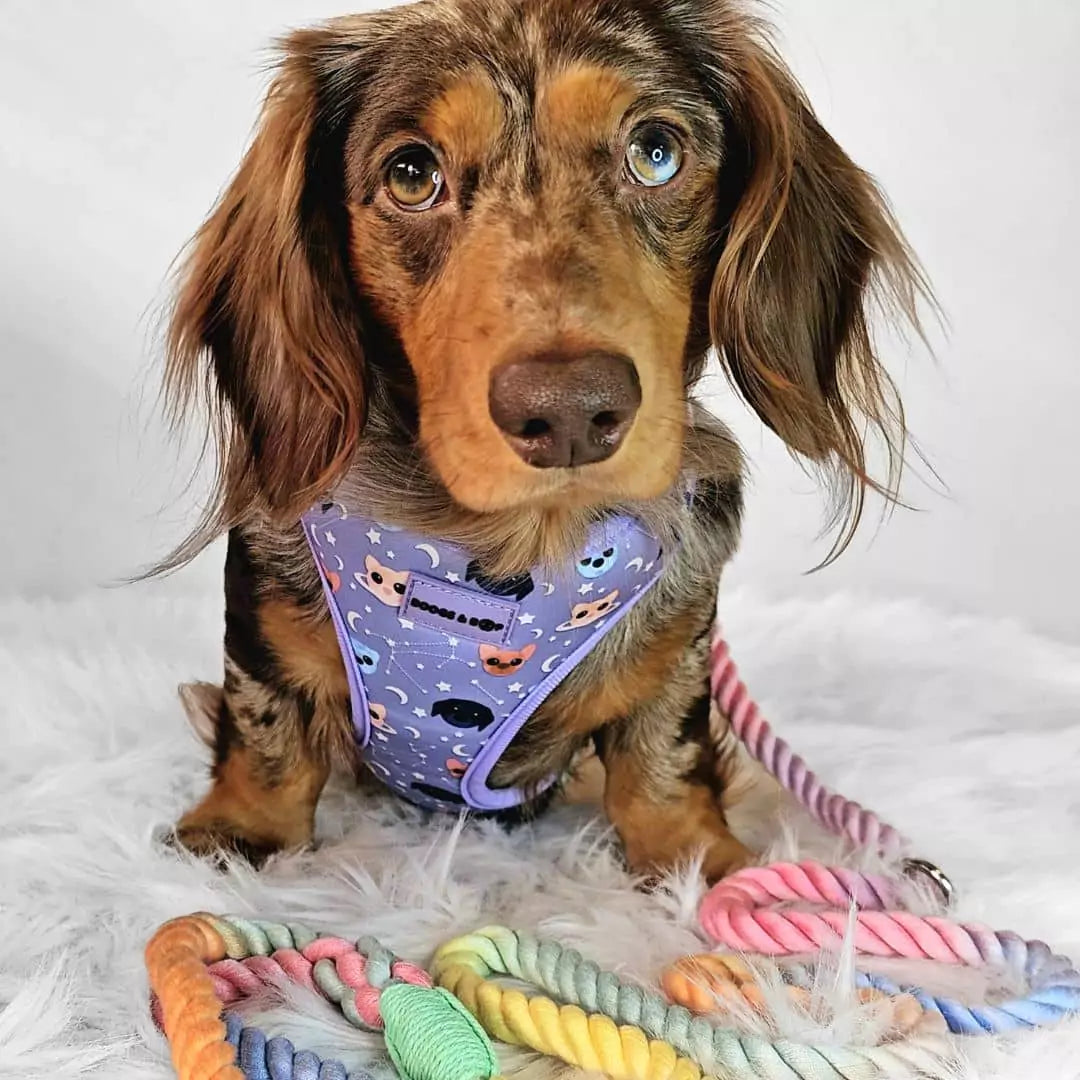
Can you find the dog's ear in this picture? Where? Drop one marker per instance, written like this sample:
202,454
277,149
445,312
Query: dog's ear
202,703
809,247
264,321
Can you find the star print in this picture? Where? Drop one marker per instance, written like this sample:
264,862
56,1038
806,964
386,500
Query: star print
391,642
585,590
419,714
452,577
453,642
527,619
516,688
331,538
407,624
374,536
391,555
419,667
443,687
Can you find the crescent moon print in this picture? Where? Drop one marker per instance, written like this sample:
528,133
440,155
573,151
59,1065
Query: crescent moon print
352,619
374,765
636,565
431,553
547,666
413,733
548,589
538,634
402,696
461,750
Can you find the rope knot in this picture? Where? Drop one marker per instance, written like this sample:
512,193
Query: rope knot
430,1035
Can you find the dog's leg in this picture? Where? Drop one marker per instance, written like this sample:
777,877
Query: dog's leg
664,781
281,716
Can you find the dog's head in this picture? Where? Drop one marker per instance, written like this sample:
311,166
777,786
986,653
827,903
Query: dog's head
514,228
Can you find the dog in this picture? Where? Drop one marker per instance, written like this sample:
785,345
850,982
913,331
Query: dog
465,279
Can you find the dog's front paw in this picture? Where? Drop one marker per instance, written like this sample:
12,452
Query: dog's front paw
220,842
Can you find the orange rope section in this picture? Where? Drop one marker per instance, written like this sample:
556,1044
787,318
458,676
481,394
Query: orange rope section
707,982
176,960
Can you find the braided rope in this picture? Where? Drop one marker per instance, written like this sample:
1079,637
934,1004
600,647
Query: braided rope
201,962
607,1023
261,1058
718,981
738,912
737,915
840,816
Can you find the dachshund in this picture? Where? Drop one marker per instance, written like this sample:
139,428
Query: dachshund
466,280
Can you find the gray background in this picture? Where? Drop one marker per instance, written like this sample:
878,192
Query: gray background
120,121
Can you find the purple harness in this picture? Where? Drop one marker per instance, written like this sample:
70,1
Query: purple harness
444,665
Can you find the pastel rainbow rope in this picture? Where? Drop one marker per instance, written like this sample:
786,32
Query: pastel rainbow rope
840,816
200,963
740,912
596,1020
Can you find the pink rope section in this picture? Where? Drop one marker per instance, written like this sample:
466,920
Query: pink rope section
737,914
330,966
839,815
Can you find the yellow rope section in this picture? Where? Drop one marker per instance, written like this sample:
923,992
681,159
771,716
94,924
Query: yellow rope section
176,960
565,1031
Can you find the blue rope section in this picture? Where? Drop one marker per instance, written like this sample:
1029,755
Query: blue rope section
1053,980
260,1058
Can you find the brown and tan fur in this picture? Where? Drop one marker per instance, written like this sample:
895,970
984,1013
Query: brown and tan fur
346,347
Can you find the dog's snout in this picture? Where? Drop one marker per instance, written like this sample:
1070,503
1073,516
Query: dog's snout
565,411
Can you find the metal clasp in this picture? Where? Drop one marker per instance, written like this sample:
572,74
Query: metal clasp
938,876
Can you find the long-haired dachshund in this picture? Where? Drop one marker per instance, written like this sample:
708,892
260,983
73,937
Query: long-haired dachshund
464,283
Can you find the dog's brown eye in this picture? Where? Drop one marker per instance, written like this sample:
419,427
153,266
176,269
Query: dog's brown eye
654,155
414,179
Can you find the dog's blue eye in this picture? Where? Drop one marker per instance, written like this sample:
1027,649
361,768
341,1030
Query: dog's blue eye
654,155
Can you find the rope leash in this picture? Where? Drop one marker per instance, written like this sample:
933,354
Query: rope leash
608,1024
740,912
198,963
714,981
838,815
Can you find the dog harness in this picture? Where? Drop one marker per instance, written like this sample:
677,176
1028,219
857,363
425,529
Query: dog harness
445,665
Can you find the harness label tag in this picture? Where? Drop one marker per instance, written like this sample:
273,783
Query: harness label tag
457,611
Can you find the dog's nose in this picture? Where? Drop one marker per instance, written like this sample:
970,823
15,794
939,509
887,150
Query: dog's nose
562,412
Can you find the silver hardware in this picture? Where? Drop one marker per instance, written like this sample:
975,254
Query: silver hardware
936,875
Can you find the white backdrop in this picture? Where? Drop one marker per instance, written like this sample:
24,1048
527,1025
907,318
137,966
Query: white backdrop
120,120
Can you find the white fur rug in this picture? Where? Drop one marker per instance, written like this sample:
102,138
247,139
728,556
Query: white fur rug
965,734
